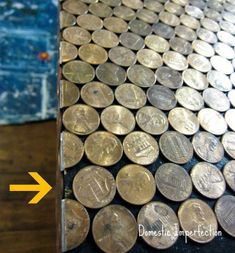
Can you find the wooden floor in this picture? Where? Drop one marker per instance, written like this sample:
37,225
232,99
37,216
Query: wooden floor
27,228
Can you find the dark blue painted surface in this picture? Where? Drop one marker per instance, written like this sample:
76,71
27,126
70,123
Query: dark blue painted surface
28,60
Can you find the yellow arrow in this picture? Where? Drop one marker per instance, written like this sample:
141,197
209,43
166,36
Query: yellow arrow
42,187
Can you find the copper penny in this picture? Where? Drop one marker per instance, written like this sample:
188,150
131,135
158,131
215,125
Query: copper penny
105,38
90,22
116,25
122,56
69,93
68,51
76,35
66,19
75,7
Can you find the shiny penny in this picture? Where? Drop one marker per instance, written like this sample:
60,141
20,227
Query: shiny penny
230,118
185,32
157,43
221,64
231,96
175,60
69,93
149,58
68,51
199,62
219,80
206,35
229,174
228,142
66,19
203,48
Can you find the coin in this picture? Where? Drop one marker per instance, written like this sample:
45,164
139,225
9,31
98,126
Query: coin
157,43
141,148
94,186
189,21
76,35
229,174
75,7
176,147
111,74
141,75
112,3
180,45
185,32
115,24
66,19
69,93
228,16
173,8
122,56
140,27
213,14
169,18
210,24
173,182
152,120
199,62
130,96
224,50
90,22
147,16
219,80
207,35
163,30
78,72
75,224
198,3
180,2
81,119
121,234
189,98
212,121
221,64
118,120
105,38
195,215
161,97
135,184
131,40
124,12
232,76
228,141
229,117
225,213
231,96
227,26
157,217
67,51
109,147
226,37
153,5
195,79
97,94
203,48
133,4
169,77
194,11
175,60
100,9
149,58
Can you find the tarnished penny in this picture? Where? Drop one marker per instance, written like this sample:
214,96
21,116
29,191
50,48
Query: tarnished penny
140,27
105,38
147,16
181,46
94,186
130,96
97,94
124,12
141,148
68,51
81,119
229,174
76,35
219,80
175,60
118,120
230,118
72,150
173,181
225,213
163,30
156,217
152,120
176,147
212,121
207,35
224,50
222,65
75,224
75,7
169,18
90,22
157,43
100,9
199,62
116,25
231,96
185,32
195,215
208,147
114,229
183,121
122,56
161,97
109,147
228,142
69,93
135,184
149,58
203,48
208,180
131,40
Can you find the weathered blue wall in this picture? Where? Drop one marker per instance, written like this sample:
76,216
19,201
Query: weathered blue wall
28,60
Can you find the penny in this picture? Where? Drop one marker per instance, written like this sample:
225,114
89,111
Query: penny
224,50
221,64
141,148
109,147
90,22
183,121
180,45
112,3
97,94
67,51
180,2
185,32
176,147
149,58
216,99
133,4
231,96
212,121
208,147
156,43
208,180
168,77
169,18
194,11
174,8
153,5
115,24
196,215
100,9
229,117
226,38
203,48
69,93
94,186
189,21
210,24
75,7
124,12
207,35
114,229
131,40
147,16
199,62
232,76
105,38
229,174
161,97
198,3
122,56
140,27
141,75
75,224
130,96
215,5
135,184
229,16
158,217
213,14
76,35
227,26
219,80
111,74
66,19
81,119
118,120
225,213
152,120
163,30
195,79
228,142
78,72
175,60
